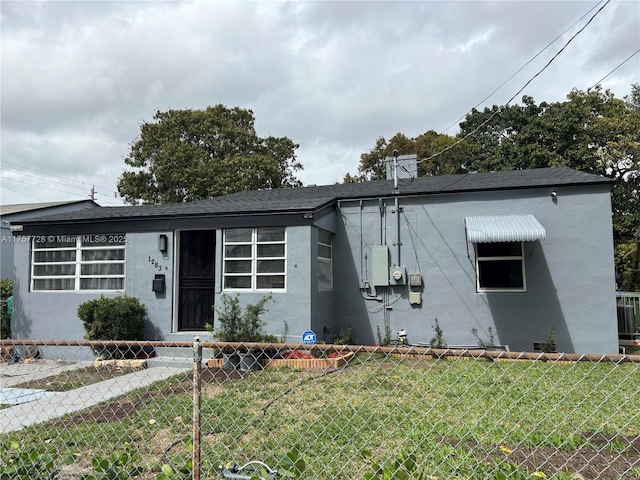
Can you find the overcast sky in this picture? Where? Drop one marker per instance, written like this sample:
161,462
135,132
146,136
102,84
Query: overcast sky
78,78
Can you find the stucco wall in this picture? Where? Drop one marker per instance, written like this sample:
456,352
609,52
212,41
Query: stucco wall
570,276
7,241
289,311
144,262
52,315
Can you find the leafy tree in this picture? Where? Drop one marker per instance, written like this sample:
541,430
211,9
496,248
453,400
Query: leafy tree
426,146
185,155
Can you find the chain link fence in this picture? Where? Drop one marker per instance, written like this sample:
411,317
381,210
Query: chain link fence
157,410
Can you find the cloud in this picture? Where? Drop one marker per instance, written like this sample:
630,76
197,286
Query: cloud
78,78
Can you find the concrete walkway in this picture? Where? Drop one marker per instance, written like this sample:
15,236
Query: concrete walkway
61,403
15,373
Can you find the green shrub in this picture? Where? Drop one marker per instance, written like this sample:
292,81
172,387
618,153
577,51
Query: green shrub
489,344
438,341
119,318
6,291
347,336
549,345
238,326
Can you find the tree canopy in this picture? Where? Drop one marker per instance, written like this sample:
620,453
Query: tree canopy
185,155
591,131
372,164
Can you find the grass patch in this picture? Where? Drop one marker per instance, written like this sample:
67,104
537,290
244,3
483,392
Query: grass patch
461,419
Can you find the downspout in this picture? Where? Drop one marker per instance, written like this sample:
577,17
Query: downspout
362,271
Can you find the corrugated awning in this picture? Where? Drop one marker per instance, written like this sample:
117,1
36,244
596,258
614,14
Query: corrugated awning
504,228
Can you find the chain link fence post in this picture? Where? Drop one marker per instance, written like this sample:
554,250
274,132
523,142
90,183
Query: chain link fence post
197,402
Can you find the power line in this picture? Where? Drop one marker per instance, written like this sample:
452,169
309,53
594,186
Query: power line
49,174
39,186
559,52
523,66
40,178
22,193
519,91
106,200
625,61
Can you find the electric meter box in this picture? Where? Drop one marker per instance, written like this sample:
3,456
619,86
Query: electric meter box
397,276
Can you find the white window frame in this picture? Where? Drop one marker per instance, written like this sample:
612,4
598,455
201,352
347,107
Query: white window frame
253,274
325,260
78,244
511,258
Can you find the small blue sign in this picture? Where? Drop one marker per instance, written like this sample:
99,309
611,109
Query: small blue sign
308,337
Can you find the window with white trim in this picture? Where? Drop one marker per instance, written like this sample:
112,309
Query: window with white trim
255,258
78,263
325,260
500,267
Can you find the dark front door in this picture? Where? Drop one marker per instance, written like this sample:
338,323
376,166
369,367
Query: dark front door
196,281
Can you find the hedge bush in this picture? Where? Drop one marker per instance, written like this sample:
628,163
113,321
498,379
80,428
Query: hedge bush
118,318
6,291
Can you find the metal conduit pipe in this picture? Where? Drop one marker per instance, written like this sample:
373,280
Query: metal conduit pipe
397,206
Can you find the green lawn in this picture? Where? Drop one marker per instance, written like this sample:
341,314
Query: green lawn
461,419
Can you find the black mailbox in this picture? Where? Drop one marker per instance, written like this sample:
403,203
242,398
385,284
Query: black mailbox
158,285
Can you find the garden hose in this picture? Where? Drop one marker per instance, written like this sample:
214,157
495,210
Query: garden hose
234,471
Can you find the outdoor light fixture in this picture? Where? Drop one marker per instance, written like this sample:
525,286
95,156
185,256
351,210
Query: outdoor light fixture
163,243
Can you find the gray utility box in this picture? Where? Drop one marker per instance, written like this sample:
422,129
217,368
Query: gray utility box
380,266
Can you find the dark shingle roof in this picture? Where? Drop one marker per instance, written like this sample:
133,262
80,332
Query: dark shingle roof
315,197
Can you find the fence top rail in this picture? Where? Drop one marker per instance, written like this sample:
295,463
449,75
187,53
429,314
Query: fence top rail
400,350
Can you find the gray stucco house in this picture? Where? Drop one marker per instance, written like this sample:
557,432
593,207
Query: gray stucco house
17,212
517,253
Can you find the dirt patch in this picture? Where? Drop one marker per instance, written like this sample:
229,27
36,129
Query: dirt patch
606,457
72,379
121,408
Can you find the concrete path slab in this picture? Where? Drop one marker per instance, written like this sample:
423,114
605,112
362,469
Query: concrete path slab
12,374
16,396
61,403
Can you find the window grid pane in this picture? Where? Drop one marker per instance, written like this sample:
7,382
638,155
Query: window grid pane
270,282
73,263
325,260
254,259
325,277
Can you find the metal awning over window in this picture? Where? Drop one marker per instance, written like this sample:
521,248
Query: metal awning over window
504,228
